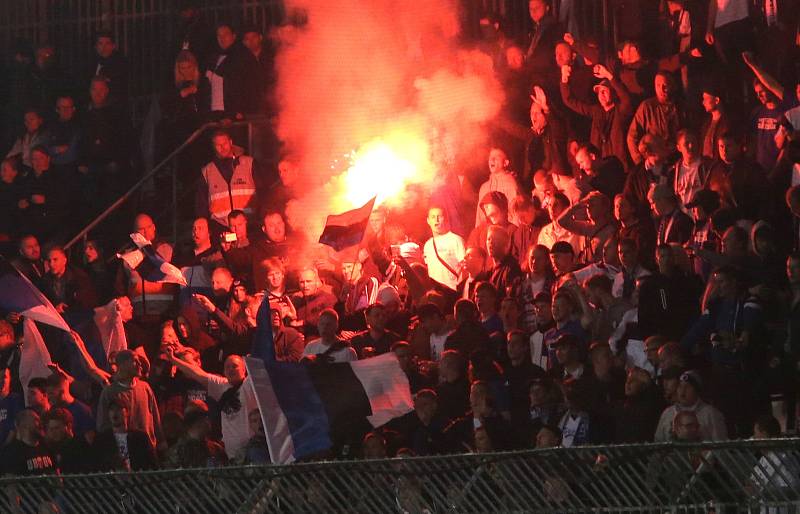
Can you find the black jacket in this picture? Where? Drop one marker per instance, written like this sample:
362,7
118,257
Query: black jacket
106,455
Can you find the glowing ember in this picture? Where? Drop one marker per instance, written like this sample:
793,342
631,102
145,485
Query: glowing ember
384,167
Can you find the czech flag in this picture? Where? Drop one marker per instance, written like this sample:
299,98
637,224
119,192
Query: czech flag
303,404
18,294
347,229
149,264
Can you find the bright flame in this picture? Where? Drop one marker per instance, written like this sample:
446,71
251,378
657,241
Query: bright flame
384,167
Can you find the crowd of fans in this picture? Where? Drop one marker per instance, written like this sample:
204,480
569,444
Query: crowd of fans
623,271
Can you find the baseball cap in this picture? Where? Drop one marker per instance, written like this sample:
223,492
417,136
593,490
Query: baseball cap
603,83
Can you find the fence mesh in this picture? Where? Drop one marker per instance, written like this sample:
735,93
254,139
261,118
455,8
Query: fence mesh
753,476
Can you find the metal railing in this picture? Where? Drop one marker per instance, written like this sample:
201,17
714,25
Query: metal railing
161,167
748,476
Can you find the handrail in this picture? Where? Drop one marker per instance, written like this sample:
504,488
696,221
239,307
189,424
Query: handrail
157,168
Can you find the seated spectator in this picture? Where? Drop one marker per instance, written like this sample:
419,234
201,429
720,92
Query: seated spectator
68,451
67,287
48,195
712,424
34,135
120,448
27,455
672,224
64,134
30,262
554,232
376,340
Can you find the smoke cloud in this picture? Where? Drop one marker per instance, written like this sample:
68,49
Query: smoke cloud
381,85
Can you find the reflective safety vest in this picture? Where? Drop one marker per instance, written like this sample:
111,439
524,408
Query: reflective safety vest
150,298
224,197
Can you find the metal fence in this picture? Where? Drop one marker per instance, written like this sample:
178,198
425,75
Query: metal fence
732,477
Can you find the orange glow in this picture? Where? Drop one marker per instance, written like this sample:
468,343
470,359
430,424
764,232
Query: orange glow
383,168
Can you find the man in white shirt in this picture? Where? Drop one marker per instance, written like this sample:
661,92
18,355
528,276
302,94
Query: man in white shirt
233,393
329,346
444,251
434,323
500,179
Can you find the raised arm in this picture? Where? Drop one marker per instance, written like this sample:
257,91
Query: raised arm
765,78
97,374
192,371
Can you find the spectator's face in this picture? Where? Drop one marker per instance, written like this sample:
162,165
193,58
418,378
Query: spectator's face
33,122
234,369
223,146
494,214
144,225
543,313
128,367
537,394
30,249
403,355
275,318
221,282
118,416
474,261
351,271
275,279
562,309
663,88
437,221
537,9
377,221
57,262
105,47
124,308
98,92
37,399
762,94
686,394
497,244
710,102
555,208
56,393
515,59
517,348
584,160
687,146
425,409
602,361
628,256
545,438
200,234
238,225
288,173
564,54
40,161
90,253
240,294
252,41
65,107
274,228
376,318
729,150
540,261
509,312
793,270
308,282
225,37
562,262
623,210
485,300
8,173
169,337
687,428
596,209
31,424
604,96
635,383
498,161
483,444
56,431
327,326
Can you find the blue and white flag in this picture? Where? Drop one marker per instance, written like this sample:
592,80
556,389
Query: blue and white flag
304,404
18,294
149,264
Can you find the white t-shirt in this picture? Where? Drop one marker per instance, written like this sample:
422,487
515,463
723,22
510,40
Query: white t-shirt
437,345
687,181
217,90
235,427
450,247
317,347
729,11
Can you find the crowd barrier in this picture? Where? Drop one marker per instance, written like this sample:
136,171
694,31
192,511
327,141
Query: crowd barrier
726,477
